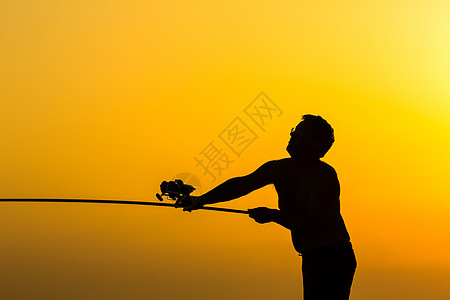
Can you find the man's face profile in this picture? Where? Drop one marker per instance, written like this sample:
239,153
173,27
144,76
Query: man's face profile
301,142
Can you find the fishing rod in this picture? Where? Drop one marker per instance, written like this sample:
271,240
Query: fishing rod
107,201
175,190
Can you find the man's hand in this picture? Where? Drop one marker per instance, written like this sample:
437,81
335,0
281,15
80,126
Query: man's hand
190,203
263,214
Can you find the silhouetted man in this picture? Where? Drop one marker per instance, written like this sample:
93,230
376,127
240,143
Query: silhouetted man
308,200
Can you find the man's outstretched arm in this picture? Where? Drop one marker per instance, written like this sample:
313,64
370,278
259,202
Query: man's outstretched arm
237,187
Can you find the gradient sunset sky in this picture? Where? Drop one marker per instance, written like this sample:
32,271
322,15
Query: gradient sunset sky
106,99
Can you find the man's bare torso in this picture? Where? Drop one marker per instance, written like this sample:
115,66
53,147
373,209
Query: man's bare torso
296,187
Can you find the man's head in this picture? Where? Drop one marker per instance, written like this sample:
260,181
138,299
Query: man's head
313,136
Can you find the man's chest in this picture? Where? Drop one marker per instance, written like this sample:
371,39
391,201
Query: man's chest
294,191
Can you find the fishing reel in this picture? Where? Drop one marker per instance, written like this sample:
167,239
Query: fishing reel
178,191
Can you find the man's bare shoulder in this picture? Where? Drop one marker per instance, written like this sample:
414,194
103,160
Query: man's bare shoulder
277,169
324,170
279,163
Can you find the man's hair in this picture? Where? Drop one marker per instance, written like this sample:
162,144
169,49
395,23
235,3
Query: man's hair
322,131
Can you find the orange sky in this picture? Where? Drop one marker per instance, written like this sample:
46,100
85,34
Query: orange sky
108,99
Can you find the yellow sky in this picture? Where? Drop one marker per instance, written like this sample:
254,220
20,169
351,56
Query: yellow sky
106,99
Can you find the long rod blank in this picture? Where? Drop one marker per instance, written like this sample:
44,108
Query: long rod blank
128,202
